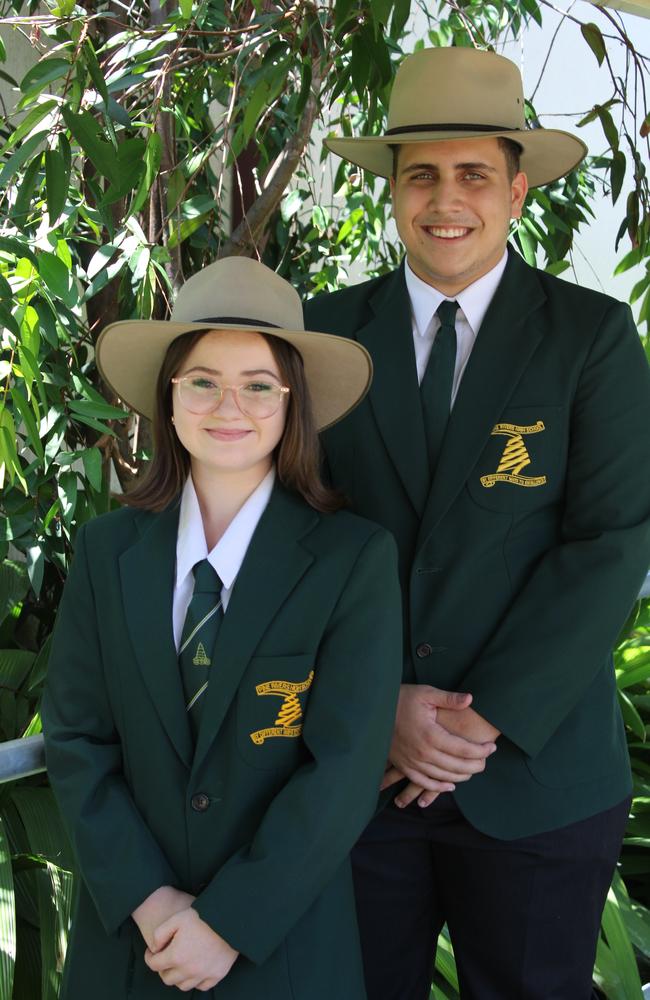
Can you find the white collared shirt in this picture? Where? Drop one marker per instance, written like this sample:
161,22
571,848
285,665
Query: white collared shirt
473,304
227,555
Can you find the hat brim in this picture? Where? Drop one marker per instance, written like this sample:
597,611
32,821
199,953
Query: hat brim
130,354
547,154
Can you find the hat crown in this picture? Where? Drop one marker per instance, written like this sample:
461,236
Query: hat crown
238,288
463,86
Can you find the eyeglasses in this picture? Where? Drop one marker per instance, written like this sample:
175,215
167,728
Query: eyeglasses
201,395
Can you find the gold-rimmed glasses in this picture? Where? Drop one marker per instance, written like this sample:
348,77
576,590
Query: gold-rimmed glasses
258,398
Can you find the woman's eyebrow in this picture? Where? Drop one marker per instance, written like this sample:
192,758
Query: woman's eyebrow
260,371
203,368
247,372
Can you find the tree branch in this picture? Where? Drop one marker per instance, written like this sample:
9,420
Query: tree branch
243,241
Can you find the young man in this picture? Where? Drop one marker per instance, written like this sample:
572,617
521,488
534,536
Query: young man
504,443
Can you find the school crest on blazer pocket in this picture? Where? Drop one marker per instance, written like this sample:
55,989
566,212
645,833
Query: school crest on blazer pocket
522,465
271,705
515,456
288,722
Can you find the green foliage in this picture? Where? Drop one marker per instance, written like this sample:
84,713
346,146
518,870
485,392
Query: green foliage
135,136
36,879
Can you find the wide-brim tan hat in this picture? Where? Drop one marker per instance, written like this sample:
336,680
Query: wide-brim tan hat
235,293
462,93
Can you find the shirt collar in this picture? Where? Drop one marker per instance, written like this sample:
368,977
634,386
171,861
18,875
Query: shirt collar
473,300
228,554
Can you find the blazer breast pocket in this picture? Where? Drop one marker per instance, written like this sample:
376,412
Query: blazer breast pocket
522,466
271,705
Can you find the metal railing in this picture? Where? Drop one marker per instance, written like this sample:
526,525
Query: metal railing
20,758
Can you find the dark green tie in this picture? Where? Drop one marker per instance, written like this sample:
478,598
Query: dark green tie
202,621
438,380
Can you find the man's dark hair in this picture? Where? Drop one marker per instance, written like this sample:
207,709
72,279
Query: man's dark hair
511,150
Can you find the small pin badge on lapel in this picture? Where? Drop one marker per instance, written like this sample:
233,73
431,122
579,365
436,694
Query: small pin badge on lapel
515,456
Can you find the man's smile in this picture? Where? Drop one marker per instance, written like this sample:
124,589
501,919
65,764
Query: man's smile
447,232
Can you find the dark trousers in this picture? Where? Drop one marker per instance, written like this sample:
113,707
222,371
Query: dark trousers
523,915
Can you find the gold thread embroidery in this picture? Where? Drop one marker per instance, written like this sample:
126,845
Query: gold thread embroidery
265,734
284,687
201,658
290,710
515,456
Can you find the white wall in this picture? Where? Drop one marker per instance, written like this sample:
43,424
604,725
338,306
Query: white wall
571,84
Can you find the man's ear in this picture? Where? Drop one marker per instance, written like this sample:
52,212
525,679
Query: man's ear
518,192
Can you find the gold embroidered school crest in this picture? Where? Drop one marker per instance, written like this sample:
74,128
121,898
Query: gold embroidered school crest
286,723
515,456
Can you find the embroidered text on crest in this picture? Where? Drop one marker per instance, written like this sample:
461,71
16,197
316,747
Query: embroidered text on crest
515,456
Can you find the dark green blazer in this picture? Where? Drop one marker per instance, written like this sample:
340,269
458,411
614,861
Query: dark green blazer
255,821
516,579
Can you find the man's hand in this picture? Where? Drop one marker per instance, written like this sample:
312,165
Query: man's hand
189,954
157,908
468,724
427,753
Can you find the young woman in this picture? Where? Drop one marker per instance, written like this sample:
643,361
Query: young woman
225,666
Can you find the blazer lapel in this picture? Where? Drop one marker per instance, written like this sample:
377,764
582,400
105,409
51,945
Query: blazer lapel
508,337
147,573
273,565
394,394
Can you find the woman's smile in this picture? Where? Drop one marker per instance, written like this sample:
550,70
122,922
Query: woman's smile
228,433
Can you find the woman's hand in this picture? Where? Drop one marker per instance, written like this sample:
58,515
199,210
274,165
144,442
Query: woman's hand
158,908
189,954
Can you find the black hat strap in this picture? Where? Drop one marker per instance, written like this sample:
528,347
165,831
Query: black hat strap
452,127
244,320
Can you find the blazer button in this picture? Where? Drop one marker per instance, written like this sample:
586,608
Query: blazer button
423,650
200,802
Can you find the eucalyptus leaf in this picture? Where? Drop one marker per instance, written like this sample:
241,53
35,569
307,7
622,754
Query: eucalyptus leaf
594,38
57,277
92,461
18,158
57,176
88,134
91,408
31,119
22,205
35,567
29,421
44,72
67,489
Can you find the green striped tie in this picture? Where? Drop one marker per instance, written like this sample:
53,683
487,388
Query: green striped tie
438,380
202,621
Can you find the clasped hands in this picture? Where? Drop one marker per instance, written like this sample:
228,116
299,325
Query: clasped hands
181,947
438,741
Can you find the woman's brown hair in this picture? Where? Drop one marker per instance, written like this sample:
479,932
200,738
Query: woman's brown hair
297,455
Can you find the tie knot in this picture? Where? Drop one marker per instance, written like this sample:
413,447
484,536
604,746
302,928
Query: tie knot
206,578
446,312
